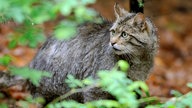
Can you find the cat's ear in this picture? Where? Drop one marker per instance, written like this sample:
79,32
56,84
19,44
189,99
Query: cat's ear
119,12
139,20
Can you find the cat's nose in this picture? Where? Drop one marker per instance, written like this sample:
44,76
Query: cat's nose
112,43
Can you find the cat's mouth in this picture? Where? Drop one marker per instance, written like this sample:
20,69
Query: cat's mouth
116,49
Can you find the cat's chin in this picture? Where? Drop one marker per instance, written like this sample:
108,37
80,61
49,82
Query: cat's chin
118,52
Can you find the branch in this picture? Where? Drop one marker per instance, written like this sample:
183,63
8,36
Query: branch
72,91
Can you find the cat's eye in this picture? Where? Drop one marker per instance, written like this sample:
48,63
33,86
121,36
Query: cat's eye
112,32
124,34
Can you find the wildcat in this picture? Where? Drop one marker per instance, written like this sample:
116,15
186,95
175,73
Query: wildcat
131,37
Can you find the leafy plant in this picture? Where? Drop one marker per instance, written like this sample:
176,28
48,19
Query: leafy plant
141,4
3,105
33,75
5,60
30,17
116,83
32,14
180,101
30,100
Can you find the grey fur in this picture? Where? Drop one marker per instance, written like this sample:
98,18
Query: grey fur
85,54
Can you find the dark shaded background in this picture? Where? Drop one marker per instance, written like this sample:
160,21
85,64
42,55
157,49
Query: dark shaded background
173,63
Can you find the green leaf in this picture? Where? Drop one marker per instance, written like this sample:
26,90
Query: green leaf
39,100
41,18
67,6
66,30
33,75
66,10
138,84
31,99
189,85
176,93
80,11
4,4
3,105
1,95
33,44
73,82
123,65
32,37
85,2
88,81
24,104
12,43
153,106
105,104
67,104
17,14
141,4
5,60
22,40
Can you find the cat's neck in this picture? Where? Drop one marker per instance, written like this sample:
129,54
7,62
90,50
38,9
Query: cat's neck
134,59
124,57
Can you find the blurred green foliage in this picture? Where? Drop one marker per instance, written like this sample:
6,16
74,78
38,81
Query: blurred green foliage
5,60
32,75
30,100
3,105
141,4
113,81
123,89
123,65
180,100
29,14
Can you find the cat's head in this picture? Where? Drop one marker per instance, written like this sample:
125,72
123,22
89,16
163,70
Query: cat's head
131,32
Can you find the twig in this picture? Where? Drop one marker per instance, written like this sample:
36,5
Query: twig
148,99
72,91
